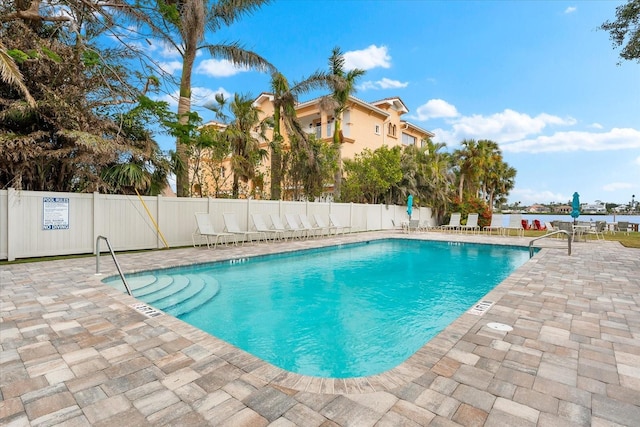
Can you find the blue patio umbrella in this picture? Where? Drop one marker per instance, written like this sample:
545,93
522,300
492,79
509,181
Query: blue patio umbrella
410,205
575,205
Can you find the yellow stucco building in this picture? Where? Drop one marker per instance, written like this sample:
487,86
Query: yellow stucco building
364,125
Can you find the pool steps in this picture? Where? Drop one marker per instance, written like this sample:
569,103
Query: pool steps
178,284
194,285
207,293
161,283
175,295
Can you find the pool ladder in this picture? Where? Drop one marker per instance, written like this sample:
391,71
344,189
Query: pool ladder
569,237
115,261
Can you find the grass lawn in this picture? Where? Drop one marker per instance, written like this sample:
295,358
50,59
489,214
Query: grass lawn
630,241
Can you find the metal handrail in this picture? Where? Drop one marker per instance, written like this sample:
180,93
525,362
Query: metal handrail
113,255
549,235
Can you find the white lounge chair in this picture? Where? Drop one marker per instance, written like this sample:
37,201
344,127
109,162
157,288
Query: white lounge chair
496,224
335,222
472,223
515,223
623,227
231,226
260,225
598,230
279,225
205,230
454,222
323,225
306,224
414,224
294,226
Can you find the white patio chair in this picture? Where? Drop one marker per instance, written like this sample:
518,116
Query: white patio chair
279,225
204,229
260,225
496,224
335,222
515,223
454,222
294,227
320,223
306,224
231,226
472,223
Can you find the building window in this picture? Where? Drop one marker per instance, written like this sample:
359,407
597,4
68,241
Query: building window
391,129
329,128
223,171
408,139
318,130
377,130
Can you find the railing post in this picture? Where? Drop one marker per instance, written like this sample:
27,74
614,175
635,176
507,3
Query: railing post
115,261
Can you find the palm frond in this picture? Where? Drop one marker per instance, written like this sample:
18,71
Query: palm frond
11,75
236,53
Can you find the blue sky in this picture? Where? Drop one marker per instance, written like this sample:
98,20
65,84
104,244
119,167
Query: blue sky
535,76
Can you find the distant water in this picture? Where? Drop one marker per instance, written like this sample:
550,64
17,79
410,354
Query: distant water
585,217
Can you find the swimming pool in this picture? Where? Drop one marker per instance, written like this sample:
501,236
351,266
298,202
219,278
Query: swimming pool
344,311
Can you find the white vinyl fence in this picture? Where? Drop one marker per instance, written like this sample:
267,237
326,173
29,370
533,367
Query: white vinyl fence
36,224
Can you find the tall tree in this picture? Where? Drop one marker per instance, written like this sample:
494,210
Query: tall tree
285,98
625,30
186,23
467,159
11,75
81,133
371,174
244,140
343,85
433,177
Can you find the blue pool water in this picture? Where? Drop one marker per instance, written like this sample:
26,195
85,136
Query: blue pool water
346,311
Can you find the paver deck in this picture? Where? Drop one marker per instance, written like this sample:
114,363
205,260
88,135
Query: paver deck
73,352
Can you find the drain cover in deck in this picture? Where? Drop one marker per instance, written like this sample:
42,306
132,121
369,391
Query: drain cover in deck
500,327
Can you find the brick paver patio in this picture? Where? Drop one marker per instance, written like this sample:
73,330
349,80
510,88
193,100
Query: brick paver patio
73,352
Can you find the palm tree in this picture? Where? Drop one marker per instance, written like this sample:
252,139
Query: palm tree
11,75
436,177
186,22
285,98
467,160
343,85
246,153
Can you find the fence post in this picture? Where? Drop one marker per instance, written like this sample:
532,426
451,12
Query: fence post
159,244
94,216
12,224
248,213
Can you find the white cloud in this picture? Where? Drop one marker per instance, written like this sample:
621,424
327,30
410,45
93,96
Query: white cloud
615,186
219,68
615,139
570,9
159,48
527,196
436,108
170,98
203,96
637,161
368,58
200,96
506,126
384,83
171,66
596,126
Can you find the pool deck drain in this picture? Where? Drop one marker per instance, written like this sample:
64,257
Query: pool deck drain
146,310
74,352
481,307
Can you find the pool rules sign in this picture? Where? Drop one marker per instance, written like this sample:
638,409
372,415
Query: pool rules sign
55,213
